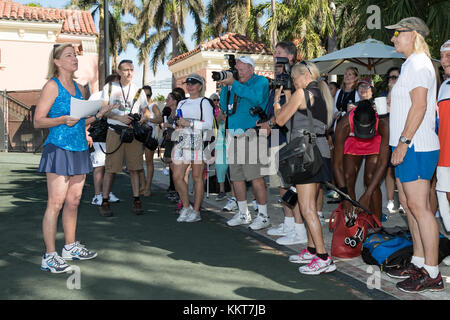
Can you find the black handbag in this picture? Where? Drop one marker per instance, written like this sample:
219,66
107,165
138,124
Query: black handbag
300,159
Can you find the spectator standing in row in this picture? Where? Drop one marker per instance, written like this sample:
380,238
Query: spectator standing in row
306,81
98,154
152,117
132,100
196,116
443,169
415,153
249,91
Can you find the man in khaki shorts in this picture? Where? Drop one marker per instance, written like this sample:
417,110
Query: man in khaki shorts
237,98
132,100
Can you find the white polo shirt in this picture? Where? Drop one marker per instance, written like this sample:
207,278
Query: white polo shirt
417,71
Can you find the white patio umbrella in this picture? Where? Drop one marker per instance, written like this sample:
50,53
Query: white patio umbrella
370,57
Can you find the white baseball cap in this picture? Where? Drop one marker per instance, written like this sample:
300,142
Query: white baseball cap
247,59
446,46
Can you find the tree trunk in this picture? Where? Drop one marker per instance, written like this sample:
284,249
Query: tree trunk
274,32
332,41
101,52
175,51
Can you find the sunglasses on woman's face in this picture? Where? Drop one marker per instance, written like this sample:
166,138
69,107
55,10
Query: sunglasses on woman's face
216,100
397,32
393,77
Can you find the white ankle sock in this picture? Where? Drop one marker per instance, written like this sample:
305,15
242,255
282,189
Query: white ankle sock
300,228
262,210
50,254
243,207
418,261
289,221
69,246
433,271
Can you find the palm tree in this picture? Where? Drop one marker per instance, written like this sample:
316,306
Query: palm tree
228,16
307,23
169,21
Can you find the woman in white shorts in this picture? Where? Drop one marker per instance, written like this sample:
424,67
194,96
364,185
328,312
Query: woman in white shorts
196,117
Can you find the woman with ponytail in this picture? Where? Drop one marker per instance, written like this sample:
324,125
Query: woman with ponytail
293,114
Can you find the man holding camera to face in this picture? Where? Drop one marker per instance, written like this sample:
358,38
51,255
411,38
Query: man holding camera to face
242,97
120,141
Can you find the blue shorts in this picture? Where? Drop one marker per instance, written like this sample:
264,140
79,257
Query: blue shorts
417,165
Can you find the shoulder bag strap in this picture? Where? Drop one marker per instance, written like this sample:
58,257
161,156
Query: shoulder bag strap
310,118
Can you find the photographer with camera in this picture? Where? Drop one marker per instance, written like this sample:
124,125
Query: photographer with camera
308,112
195,115
292,230
241,91
123,145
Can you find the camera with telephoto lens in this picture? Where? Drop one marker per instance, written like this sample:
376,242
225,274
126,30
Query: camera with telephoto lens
284,78
222,75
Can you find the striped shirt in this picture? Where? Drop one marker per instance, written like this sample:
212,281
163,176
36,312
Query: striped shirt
417,71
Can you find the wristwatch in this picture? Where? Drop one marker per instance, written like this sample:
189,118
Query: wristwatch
404,140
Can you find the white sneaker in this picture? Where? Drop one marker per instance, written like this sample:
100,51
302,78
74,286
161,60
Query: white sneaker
281,230
292,238
318,266
231,205
390,206
239,219
77,252
97,200
54,263
303,257
113,198
184,213
446,261
260,222
193,216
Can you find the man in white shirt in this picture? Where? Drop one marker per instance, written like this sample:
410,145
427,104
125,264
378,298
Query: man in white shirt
132,100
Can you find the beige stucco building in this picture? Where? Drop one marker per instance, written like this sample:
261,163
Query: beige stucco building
210,56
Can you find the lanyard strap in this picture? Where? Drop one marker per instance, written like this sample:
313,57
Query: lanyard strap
123,93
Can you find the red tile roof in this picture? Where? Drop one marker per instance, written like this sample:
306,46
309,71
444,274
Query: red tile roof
74,21
229,42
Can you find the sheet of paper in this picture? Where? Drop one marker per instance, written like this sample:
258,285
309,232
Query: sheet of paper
84,108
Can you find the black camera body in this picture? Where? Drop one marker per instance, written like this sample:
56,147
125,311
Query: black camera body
143,132
283,79
222,75
258,111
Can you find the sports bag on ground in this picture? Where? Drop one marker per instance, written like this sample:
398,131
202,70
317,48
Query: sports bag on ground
300,159
348,235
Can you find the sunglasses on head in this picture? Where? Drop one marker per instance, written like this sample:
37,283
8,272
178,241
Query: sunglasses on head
56,45
306,65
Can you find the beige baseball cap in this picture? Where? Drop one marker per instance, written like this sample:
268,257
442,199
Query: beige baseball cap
411,24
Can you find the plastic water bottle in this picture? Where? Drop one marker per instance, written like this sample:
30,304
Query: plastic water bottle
179,113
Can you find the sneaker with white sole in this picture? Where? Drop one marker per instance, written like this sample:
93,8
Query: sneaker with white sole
184,213
260,222
54,263
231,205
193,216
390,206
221,196
292,238
97,200
303,257
239,219
77,252
113,198
281,230
318,266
